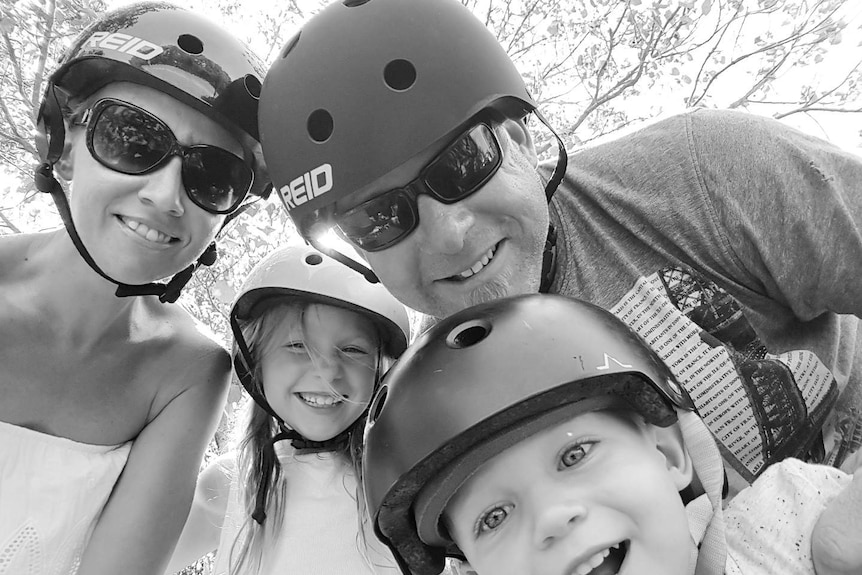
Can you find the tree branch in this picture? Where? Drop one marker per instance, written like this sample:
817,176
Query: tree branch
44,44
8,223
16,65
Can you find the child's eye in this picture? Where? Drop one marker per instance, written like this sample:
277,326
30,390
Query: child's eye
296,346
574,454
354,350
492,519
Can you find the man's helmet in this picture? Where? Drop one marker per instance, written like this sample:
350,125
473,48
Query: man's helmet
304,274
481,380
367,85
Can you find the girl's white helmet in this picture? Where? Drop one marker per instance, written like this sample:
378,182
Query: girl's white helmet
303,273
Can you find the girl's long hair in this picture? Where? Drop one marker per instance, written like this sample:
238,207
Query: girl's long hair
257,463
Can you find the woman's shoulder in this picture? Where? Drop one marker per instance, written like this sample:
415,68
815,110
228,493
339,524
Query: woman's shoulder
189,354
180,334
186,333
16,250
178,358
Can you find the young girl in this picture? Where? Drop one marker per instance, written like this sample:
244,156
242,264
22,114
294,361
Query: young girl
313,338
109,402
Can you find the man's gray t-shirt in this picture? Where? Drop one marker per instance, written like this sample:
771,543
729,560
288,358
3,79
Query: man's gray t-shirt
733,244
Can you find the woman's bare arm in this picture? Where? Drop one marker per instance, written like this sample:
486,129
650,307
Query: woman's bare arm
145,514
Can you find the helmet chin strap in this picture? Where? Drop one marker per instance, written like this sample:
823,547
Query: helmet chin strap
549,260
301,443
297,440
168,292
549,255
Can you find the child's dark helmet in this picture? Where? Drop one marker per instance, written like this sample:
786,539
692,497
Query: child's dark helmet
478,382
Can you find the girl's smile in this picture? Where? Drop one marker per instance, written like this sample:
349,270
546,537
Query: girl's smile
321,400
319,368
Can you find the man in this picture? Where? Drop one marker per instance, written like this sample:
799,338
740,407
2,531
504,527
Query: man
730,242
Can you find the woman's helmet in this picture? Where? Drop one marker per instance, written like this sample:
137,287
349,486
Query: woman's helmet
304,274
481,380
367,85
169,49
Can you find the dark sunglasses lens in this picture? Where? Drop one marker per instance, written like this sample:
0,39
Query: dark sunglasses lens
215,179
379,222
128,140
465,166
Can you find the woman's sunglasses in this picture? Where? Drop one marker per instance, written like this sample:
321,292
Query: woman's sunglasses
458,171
131,140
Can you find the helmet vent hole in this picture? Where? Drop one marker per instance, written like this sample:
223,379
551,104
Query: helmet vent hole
468,334
353,3
290,45
190,44
399,75
252,85
377,404
313,259
320,125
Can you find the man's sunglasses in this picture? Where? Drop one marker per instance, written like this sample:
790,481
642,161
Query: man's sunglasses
131,140
458,171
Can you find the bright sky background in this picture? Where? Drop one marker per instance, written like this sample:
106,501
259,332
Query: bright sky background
840,128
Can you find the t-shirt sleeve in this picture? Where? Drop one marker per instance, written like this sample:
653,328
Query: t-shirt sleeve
789,205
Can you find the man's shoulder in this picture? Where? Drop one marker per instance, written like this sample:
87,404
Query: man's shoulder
713,117
680,127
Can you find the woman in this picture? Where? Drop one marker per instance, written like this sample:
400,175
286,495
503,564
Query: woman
109,395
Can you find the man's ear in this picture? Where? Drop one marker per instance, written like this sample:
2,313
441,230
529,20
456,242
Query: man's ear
520,135
671,445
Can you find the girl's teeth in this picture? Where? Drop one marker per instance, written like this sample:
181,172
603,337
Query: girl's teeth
319,400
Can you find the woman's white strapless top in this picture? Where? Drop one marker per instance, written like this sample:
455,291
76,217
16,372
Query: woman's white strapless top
52,491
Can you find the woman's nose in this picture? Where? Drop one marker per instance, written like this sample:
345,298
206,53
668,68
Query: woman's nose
163,188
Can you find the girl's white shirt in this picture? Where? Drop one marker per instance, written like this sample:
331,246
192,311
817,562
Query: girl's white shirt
319,532
52,491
